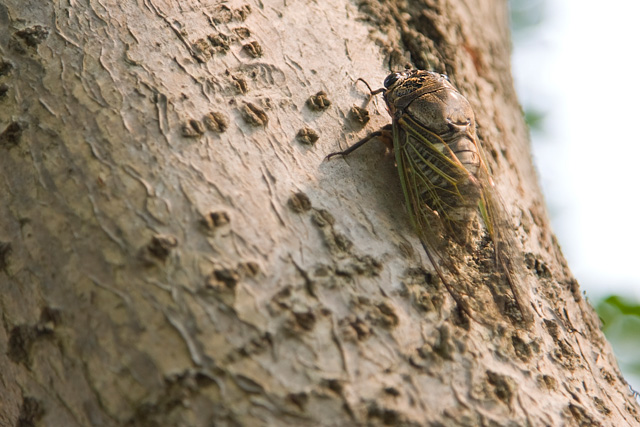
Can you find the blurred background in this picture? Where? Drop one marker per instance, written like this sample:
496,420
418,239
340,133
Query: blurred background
575,67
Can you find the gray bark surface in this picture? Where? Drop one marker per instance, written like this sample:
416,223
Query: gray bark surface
175,250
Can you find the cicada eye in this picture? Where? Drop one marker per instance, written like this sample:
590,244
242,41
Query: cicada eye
391,79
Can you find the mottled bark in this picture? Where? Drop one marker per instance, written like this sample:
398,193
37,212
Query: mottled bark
174,250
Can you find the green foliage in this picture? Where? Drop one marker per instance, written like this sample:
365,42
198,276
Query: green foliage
526,14
614,306
621,324
534,118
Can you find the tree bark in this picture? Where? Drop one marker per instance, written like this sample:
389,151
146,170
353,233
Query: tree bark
174,250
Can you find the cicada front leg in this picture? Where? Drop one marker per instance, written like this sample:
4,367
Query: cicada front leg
384,134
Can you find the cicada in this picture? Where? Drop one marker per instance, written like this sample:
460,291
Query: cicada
446,182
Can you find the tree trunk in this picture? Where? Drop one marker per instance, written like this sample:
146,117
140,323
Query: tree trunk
175,250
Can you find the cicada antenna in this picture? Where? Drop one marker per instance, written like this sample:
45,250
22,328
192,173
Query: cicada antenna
360,79
372,92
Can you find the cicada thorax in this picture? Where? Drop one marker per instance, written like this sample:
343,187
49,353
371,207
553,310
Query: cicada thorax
434,129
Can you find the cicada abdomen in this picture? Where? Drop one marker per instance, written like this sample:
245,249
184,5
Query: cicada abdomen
444,178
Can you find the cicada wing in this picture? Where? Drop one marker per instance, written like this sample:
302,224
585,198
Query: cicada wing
440,181
508,255
431,181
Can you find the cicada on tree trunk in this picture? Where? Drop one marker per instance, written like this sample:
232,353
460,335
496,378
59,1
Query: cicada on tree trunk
447,186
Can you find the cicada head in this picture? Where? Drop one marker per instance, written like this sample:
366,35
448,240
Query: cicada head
402,87
431,100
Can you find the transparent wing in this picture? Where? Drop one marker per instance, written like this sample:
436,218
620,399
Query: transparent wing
508,257
426,174
435,181
438,189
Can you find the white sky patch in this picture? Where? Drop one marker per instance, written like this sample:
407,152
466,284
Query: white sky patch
581,69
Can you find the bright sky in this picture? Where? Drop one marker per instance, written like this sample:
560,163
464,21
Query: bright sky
581,68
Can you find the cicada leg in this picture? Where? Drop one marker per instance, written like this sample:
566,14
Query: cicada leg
385,134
